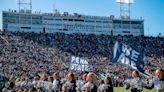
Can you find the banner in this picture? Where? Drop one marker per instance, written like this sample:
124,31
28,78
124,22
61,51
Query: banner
78,64
126,55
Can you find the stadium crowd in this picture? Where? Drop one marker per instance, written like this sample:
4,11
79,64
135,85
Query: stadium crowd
28,56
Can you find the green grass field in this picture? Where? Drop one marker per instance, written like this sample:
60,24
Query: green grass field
121,89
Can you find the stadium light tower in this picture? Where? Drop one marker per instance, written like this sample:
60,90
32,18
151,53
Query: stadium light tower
25,6
125,6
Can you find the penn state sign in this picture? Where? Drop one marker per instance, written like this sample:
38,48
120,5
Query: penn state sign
78,64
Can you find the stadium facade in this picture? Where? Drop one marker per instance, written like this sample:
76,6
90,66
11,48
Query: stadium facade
26,21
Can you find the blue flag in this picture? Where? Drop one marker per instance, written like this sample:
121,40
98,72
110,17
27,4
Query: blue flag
129,56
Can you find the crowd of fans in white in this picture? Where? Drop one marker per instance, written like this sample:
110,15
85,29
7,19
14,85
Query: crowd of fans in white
24,56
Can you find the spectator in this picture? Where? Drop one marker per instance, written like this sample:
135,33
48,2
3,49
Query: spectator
30,54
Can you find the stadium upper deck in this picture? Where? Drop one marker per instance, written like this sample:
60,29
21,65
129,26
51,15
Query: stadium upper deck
70,23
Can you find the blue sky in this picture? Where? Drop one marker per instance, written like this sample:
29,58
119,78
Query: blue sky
152,11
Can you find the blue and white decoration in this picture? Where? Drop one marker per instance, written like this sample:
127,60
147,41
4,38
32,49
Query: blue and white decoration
126,55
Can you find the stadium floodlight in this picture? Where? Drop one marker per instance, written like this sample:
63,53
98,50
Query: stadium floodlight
125,1
25,6
125,6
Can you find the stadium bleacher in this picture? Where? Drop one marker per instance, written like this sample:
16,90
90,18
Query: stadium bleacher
31,54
